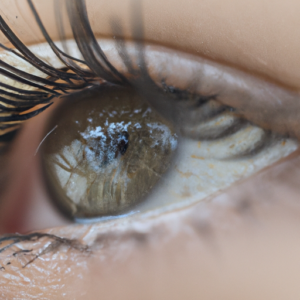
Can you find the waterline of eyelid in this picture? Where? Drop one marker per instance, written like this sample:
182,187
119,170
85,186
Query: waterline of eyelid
106,218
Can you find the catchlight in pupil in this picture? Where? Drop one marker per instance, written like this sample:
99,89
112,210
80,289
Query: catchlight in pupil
106,153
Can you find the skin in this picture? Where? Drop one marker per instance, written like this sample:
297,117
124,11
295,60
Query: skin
242,244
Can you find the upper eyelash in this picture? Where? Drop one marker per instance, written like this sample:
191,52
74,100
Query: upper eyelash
99,67
12,108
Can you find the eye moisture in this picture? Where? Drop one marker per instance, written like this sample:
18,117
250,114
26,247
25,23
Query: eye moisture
108,151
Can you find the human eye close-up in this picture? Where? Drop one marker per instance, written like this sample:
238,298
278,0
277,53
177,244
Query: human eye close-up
149,150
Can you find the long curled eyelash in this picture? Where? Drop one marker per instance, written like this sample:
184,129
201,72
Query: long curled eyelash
18,105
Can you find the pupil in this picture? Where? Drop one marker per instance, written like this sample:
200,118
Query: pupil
123,142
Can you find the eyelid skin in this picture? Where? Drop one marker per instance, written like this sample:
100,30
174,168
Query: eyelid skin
262,43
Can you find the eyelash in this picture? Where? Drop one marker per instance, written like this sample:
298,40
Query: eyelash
55,243
18,108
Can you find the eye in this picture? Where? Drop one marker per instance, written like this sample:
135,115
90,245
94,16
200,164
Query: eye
217,117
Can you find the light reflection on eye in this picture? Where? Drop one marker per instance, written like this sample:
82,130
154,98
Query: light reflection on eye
201,166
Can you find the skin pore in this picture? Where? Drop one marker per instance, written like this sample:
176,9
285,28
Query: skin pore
242,244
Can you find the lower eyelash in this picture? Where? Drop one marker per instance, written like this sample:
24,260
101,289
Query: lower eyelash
8,243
